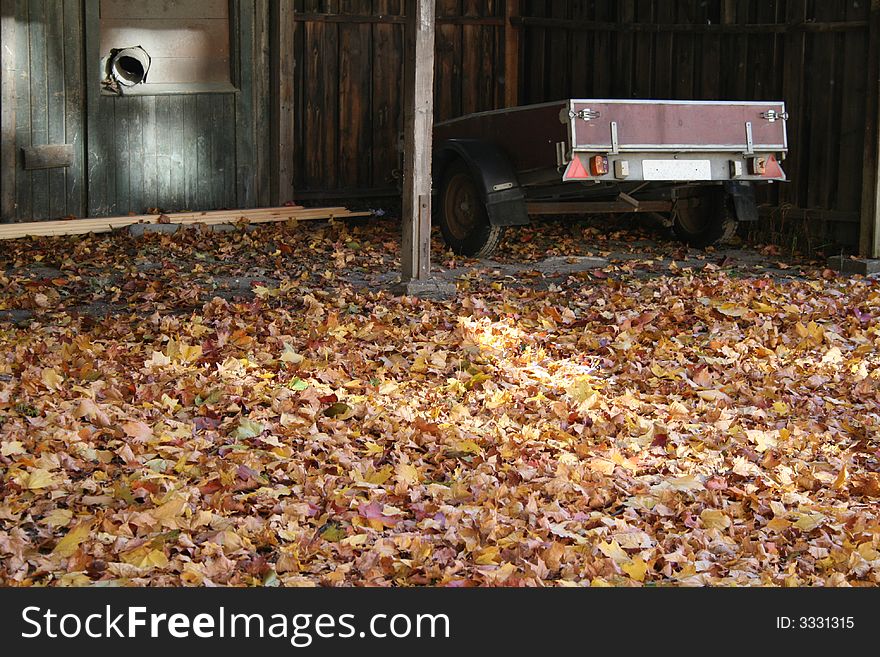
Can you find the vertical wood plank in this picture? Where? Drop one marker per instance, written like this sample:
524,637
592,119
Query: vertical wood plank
448,82
120,154
244,115
419,90
178,154
8,75
135,155
191,128
97,155
512,38
622,83
354,152
663,42
387,112
74,102
55,106
39,103
793,94
869,234
151,152
165,138
284,120
261,102
644,52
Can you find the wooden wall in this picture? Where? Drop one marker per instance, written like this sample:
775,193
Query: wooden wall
42,104
169,151
349,68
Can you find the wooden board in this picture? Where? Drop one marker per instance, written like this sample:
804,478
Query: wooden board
107,224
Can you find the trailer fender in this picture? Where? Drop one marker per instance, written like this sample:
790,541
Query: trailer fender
496,177
744,204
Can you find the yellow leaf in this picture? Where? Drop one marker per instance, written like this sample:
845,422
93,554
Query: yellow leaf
762,307
763,440
188,353
40,478
468,447
145,557
732,310
488,556
714,519
778,524
356,540
373,448
167,513
868,552
12,448
407,474
613,550
809,521
51,379
581,390
58,518
781,408
68,545
840,482
378,477
637,569
157,360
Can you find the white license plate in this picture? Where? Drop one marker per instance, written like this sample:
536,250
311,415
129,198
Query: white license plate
676,170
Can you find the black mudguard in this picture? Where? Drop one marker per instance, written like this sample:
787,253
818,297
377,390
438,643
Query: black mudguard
744,204
504,198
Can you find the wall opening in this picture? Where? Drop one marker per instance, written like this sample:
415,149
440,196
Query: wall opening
130,66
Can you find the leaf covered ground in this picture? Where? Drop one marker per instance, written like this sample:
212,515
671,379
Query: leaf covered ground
256,408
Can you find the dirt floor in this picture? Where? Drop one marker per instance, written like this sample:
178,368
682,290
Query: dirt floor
597,406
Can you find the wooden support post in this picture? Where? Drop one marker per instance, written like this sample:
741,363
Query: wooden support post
282,46
869,238
511,53
7,111
419,122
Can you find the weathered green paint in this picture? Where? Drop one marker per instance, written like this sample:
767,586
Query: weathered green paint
197,151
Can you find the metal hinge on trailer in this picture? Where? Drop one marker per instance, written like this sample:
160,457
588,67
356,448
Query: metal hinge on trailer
586,114
773,116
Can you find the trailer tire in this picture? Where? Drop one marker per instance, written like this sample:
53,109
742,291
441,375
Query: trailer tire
464,221
705,219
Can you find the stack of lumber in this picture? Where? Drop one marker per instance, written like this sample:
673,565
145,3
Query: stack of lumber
106,224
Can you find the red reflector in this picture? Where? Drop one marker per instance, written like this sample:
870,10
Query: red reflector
599,165
575,170
772,168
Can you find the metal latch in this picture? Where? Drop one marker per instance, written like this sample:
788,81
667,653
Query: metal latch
772,116
585,114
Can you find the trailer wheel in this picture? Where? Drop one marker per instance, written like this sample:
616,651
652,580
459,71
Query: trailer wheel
464,221
704,219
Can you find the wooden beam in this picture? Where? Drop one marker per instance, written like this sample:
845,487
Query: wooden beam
283,126
419,120
107,224
511,53
8,73
869,235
